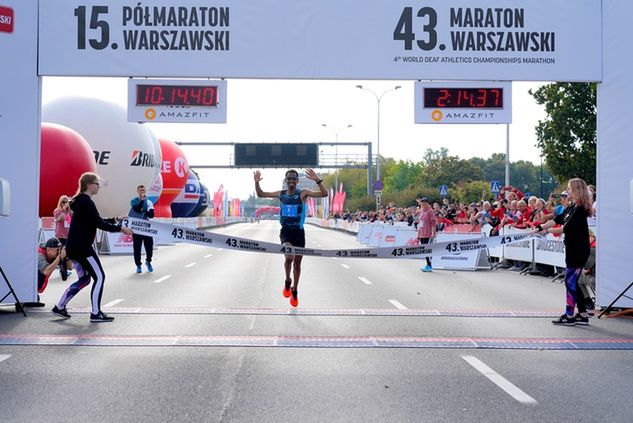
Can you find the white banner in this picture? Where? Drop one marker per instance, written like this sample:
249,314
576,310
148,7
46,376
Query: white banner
551,251
20,139
468,260
193,236
364,232
522,251
376,235
532,40
116,243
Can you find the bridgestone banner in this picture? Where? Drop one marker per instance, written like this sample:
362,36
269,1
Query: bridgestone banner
325,39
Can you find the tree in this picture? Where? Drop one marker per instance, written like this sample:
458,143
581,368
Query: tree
450,170
402,175
469,192
567,136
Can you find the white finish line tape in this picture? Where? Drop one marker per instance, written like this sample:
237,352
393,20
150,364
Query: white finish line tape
176,233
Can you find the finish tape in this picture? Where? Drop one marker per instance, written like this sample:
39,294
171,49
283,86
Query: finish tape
176,233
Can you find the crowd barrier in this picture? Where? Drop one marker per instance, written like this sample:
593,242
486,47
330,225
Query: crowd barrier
550,251
119,243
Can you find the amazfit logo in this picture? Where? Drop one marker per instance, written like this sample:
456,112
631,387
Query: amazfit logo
143,159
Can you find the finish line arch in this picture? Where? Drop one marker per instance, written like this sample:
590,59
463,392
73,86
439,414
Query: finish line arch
530,40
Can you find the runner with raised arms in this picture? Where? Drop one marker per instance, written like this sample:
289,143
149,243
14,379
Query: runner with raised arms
292,215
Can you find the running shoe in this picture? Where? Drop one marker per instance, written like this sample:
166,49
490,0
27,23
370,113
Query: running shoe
149,266
138,269
426,268
294,298
286,292
60,312
581,320
565,320
100,317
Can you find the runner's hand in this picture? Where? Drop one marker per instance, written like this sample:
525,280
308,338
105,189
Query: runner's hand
312,175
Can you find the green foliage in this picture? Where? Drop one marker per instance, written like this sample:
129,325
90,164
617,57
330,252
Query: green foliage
360,203
401,175
469,192
404,181
567,136
450,171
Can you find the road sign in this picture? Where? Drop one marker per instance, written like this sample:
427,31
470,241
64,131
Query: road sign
443,191
378,192
494,187
378,186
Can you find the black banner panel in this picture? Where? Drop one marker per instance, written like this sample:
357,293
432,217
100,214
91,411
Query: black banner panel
276,155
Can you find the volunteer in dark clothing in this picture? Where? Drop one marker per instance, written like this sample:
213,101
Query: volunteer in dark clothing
81,235
142,208
577,249
292,215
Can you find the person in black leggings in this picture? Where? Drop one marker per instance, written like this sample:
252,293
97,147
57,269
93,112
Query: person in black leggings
577,248
83,228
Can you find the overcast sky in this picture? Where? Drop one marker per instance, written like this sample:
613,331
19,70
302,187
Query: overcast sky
294,111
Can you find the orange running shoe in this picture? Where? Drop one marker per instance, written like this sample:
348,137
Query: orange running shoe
286,292
294,299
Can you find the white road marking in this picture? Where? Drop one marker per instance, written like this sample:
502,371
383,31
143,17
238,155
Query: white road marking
208,255
164,278
114,302
190,264
4,357
345,266
364,280
220,249
503,383
398,305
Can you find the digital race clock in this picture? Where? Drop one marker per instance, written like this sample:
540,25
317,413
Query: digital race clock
463,102
176,95
174,100
463,98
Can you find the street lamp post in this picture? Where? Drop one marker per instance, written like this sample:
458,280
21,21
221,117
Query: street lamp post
378,98
336,132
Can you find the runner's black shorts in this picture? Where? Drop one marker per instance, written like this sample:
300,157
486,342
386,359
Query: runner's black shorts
295,236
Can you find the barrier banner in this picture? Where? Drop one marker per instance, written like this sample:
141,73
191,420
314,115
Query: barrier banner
551,251
406,236
364,232
468,260
376,235
388,237
193,236
521,251
116,243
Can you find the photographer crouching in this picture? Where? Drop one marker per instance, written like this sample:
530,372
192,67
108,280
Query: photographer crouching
49,256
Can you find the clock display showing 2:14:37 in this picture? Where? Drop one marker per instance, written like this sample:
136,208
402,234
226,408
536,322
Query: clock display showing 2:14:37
463,98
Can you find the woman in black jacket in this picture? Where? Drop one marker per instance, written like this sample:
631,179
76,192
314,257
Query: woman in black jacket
576,230
83,228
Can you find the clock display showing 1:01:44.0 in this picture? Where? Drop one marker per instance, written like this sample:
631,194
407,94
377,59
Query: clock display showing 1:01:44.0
463,98
176,95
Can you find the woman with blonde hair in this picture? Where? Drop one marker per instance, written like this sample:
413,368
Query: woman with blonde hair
577,250
81,234
62,216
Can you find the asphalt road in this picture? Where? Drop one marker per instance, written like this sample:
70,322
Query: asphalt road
208,337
